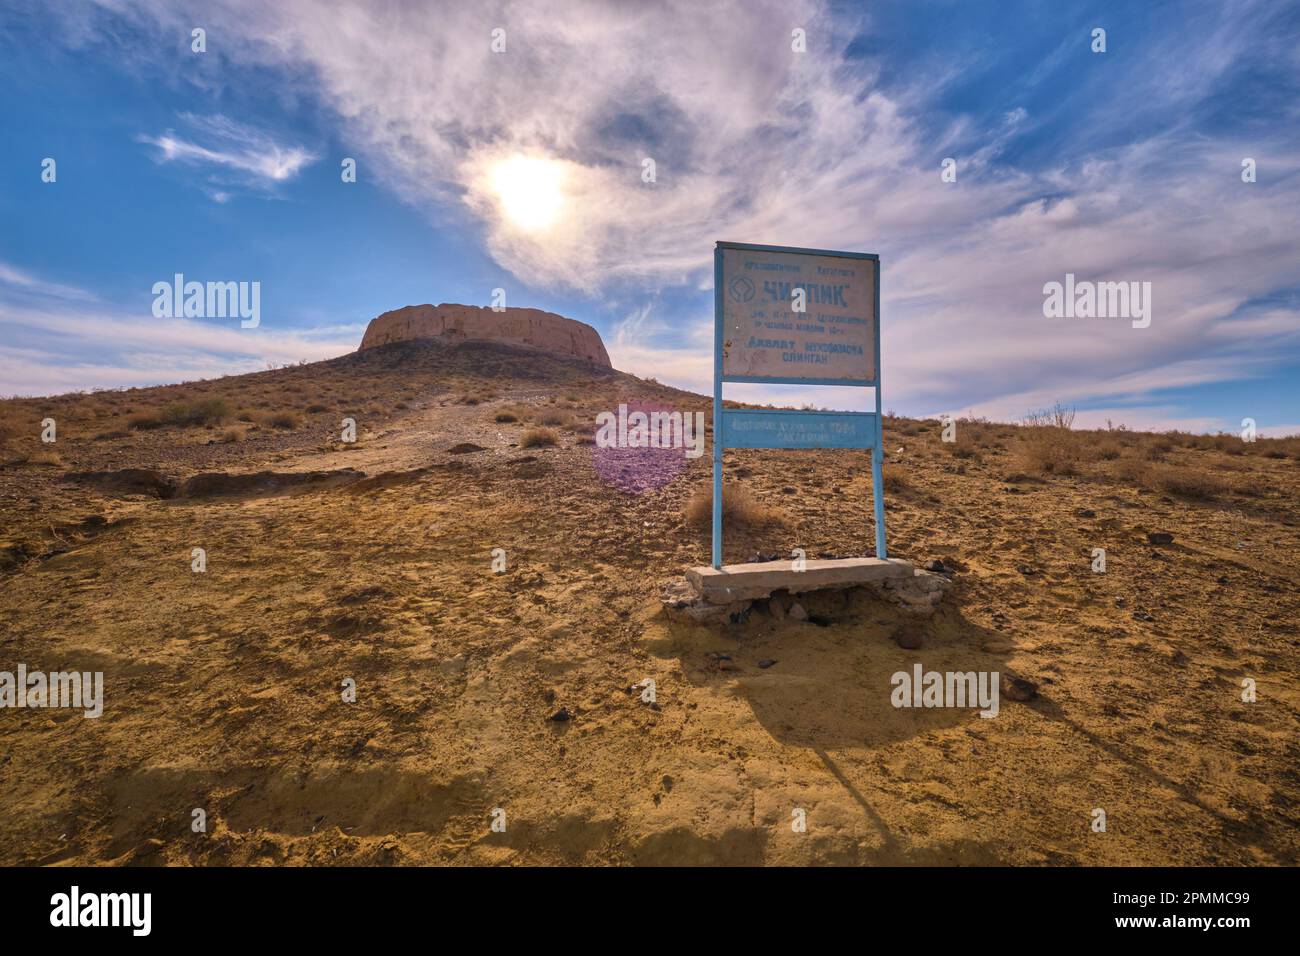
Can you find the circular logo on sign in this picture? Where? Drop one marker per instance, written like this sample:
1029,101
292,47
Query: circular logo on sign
742,290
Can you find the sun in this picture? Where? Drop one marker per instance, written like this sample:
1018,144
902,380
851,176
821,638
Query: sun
530,190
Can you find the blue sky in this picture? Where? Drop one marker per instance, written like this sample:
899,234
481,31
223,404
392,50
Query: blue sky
225,165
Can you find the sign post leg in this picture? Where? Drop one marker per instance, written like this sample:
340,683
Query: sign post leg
717,475
877,462
878,498
717,408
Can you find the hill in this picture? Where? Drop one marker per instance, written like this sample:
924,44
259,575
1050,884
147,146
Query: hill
369,564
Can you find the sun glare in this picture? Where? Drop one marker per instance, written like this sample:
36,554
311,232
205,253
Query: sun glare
528,189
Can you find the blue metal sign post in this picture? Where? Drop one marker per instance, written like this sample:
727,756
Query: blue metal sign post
759,337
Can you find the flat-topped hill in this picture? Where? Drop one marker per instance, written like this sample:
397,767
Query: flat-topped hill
527,328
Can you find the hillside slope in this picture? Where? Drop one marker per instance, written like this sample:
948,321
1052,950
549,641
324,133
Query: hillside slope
224,689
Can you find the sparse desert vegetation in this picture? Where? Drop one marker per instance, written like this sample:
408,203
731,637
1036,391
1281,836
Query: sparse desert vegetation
372,559
539,438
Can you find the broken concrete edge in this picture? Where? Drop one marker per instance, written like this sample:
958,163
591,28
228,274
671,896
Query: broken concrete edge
919,592
760,579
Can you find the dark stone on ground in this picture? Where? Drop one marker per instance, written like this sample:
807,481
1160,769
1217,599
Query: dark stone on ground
1017,688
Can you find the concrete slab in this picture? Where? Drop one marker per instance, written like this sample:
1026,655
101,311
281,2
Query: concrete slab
749,582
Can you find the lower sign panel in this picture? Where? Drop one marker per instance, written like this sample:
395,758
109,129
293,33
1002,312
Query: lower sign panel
780,428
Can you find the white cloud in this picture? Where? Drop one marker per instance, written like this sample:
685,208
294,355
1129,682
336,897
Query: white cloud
755,143
23,282
232,146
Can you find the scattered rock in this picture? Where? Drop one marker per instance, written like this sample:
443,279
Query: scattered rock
797,613
126,481
1026,570
1160,537
907,638
766,663
1017,688
723,662
453,665
561,715
936,566
465,448
218,484
1086,513
1141,615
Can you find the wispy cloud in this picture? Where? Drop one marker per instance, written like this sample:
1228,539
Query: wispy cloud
217,141
754,142
22,282
53,342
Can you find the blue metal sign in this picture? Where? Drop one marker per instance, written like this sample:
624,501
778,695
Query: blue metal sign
786,315
782,428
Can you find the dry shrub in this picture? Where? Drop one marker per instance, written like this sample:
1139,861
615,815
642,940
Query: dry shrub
246,415
232,435
42,457
1156,448
203,411
285,419
555,418
739,509
8,430
1171,480
1107,450
1185,483
316,408
1048,450
539,438
896,482
142,421
506,417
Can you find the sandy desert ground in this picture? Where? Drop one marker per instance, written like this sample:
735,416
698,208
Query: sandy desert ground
222,688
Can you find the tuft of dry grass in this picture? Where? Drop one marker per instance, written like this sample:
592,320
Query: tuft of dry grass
202,411
1048,450
142,421
896,482
740,509
286,419
41,457
539,438
506,417
555,418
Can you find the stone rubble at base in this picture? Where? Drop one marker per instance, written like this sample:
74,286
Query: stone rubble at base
918,592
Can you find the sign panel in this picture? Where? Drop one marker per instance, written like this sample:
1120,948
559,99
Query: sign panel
785,315
781,428
765,339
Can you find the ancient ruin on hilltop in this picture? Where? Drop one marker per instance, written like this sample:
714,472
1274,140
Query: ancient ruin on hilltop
528,328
